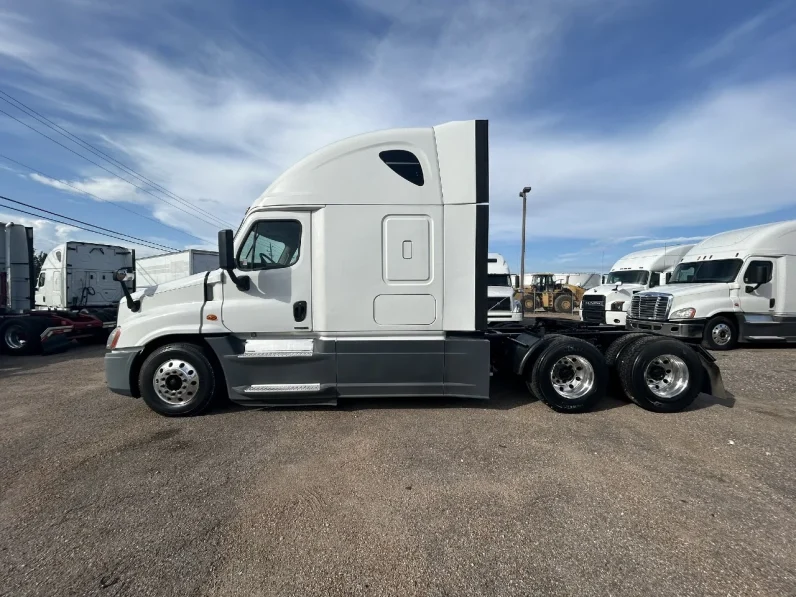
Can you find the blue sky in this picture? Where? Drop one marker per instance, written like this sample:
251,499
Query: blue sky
635,122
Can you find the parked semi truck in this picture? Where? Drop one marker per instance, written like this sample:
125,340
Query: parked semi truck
25,328
151,271
609,302
362,271
737,286
501,292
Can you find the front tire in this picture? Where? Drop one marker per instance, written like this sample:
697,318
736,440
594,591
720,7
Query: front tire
720,333
177,380
569,376
660,374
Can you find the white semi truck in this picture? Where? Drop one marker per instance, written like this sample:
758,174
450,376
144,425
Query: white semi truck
737,286
501,303
609,302
158,269
362,271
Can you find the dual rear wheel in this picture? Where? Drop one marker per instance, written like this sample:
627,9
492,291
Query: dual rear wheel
658,374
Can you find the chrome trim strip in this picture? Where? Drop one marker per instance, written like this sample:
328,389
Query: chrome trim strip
282,388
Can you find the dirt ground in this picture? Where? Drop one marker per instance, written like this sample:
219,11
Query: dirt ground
101,496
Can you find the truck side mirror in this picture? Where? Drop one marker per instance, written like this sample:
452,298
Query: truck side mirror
755,277
226,250
122,276
226,259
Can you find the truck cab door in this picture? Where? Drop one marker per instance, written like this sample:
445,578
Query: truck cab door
275,253
754,298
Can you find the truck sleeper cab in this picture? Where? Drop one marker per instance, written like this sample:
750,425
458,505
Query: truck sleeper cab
737,286
362,271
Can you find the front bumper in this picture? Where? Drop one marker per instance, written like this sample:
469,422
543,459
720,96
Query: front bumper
118,364
688,330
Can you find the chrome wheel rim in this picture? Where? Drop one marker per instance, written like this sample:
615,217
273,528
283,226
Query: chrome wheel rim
666,376
572,377
14,337
721,333
176,382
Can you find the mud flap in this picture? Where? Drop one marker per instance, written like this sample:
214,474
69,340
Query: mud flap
713,383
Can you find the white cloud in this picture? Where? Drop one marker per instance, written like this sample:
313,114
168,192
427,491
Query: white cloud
679,240
99,189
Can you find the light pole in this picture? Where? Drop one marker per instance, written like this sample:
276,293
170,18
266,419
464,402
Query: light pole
524,194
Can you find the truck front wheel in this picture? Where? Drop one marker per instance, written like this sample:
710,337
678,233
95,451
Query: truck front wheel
720,333
660,374
569,376
177,380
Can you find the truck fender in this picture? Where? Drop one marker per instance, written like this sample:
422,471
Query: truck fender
713,384
527,348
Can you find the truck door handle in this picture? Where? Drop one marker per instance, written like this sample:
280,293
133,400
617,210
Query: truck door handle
300,310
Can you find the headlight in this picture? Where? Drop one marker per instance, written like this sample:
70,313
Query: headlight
113,339
516,307
687,313
617,306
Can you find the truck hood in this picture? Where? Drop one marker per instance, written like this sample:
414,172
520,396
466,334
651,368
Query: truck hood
500,291
167,295
688,290
625,290
192,280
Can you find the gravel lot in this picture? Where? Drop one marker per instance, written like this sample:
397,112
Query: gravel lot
100,496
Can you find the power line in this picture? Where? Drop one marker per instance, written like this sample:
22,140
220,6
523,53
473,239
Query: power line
99,153
105,169
84,192
114,234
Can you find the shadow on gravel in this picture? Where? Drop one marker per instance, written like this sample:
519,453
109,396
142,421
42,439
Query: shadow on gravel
23,365
708,400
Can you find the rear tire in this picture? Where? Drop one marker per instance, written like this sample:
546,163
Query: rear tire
612,357
569,375
720,333
563,304
20,336
177,380
660,374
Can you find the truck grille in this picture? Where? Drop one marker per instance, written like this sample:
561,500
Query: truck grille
499,303
592,308
653,306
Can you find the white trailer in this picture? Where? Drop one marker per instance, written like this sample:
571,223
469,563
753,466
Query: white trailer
737,286
501,303
642,270
362,271
151,271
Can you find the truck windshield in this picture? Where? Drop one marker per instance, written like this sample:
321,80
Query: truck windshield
499,280
695,272
634,276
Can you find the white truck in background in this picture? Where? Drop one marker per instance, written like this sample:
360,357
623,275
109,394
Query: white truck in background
67,310
78,275
501,304
737,286
362,271
159,269
609,302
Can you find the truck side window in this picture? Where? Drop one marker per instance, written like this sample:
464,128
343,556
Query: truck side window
271,244
405,164
41,280
766,265
655,280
